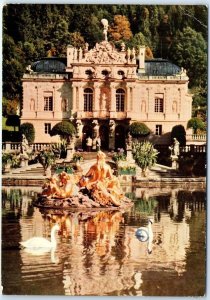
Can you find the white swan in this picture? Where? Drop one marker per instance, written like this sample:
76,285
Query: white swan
145,234
41,244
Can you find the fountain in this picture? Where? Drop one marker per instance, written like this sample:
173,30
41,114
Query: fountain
99,188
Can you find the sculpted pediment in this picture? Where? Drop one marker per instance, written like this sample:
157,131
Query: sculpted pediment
105,53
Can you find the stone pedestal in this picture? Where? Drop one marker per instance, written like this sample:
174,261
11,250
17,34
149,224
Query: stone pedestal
129,156
70,150
23,162
111,143
48,172
174,160
69,154
126,179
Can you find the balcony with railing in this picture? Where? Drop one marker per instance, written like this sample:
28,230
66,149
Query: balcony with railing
196,138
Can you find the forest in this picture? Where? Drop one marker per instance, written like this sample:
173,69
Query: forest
175,32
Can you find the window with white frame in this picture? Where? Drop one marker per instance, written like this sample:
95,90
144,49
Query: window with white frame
88,99
48,101
159,102
47,128
158,129
120,100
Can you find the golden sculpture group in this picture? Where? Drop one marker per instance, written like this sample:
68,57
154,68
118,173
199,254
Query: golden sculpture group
99,183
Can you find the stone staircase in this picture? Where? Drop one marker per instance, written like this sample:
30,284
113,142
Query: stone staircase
36,170
31,171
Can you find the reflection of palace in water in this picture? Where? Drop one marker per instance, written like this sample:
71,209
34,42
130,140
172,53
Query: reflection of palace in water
98,252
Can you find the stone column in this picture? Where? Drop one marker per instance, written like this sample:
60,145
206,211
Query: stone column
112,107
74,96
70,150
81,97
96,100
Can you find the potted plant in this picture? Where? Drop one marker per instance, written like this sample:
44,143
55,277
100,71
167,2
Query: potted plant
6,161
119,156
46,158
145,155
77,157
127,170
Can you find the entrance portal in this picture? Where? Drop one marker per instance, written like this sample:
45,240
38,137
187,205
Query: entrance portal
86,132
119,137
104,136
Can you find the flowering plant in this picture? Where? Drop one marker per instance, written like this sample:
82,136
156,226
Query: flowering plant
6,158
119,155
46,158
77,157
126,168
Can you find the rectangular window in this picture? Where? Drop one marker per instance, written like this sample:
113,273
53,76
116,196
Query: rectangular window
159,103
120,102
158,129
88,102
48,101
47,128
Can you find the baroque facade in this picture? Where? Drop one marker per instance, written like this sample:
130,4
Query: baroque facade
103,90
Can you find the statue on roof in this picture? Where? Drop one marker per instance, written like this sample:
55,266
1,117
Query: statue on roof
106,25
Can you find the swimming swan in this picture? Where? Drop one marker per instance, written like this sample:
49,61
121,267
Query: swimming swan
145,234
36,243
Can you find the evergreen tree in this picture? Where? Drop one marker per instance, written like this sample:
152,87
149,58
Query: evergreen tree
190,52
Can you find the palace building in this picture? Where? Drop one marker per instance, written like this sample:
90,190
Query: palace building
101,91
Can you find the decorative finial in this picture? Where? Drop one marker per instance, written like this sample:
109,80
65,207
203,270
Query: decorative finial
106,25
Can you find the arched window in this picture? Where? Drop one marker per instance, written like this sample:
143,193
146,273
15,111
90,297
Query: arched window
88,99
120,100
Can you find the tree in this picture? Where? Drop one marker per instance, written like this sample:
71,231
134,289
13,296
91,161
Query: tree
28,130
10,107
179,133
64,129
120,30
165,37
138,129
140,39
195,124
77,40
145,155
13,120
46,158
190,51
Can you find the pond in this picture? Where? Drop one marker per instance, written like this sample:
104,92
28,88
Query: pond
99,254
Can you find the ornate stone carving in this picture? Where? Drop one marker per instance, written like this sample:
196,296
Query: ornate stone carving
105,53
111,128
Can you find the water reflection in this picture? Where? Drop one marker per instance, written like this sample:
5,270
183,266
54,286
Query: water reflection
98,253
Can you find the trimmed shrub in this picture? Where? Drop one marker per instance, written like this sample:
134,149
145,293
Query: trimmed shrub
138,129
28,130
179,133
145,154
195,124
64,129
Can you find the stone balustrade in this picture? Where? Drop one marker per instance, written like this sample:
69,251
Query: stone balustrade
193,149
16,146
196,137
